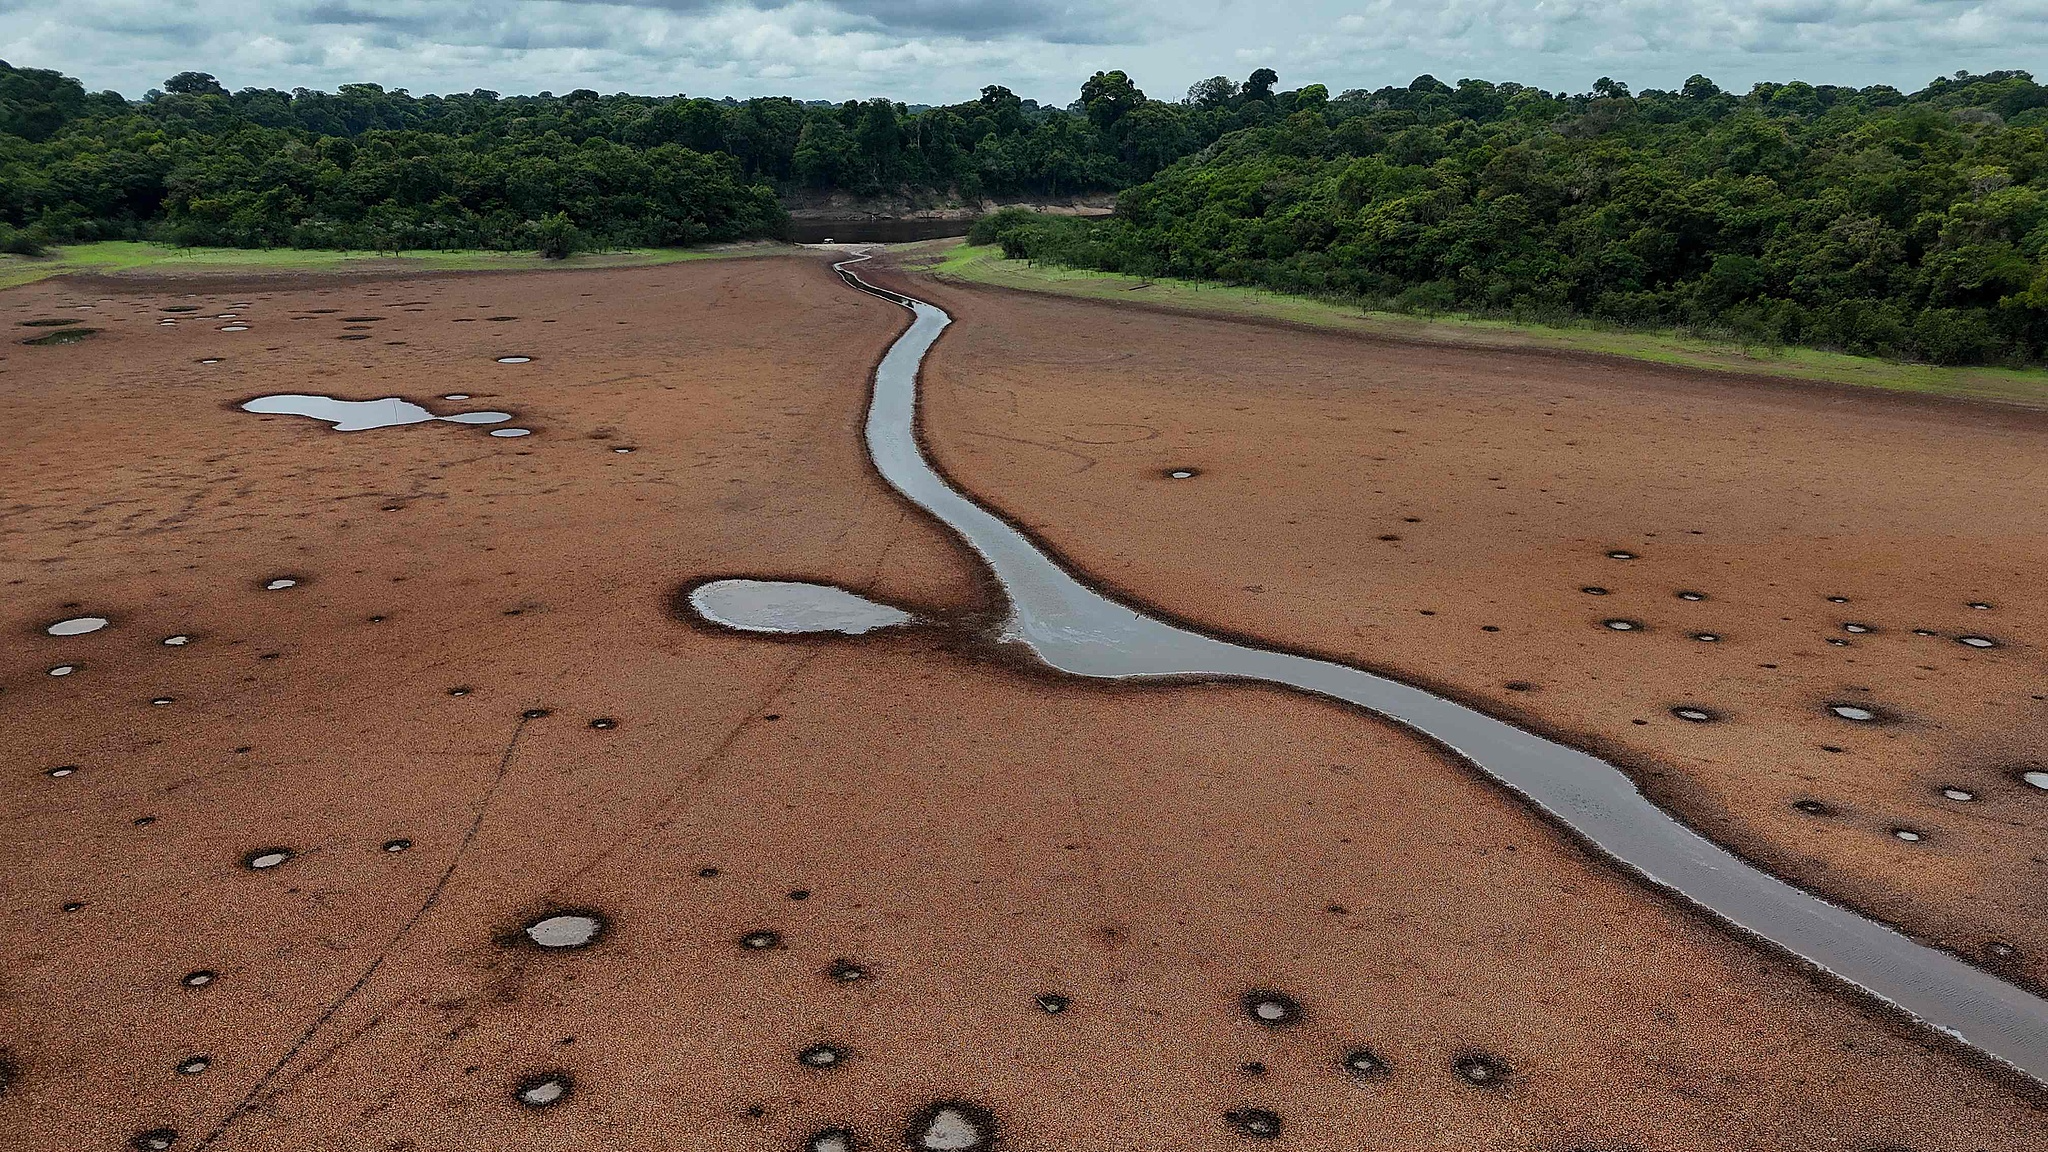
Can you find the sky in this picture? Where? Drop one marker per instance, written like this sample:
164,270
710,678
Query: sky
936,51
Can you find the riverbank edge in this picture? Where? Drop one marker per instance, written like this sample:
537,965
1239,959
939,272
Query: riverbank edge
985,265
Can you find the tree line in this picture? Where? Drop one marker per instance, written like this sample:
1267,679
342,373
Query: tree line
367,167
1865,219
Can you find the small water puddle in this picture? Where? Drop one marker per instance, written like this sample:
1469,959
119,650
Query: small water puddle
362,415
788,606
77,626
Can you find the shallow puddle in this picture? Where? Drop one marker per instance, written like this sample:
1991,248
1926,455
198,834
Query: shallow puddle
503,433
1076,629
1853,712
543,1091
279,584
62,336
362,415
788,606
77,626
1977,641
63,669
515,359
566,930
951,1126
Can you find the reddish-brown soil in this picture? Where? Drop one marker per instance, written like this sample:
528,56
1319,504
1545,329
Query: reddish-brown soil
972,832
1439,514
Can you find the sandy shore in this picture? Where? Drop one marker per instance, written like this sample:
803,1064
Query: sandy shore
970,834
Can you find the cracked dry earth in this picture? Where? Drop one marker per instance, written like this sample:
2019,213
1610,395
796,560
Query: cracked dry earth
461,839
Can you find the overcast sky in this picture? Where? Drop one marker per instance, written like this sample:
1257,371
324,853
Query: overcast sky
934,51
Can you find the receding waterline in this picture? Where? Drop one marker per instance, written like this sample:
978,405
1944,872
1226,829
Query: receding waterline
1075,629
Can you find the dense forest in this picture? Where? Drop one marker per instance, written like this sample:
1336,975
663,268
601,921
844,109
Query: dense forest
1864,219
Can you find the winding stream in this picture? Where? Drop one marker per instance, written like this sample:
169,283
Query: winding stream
1078,630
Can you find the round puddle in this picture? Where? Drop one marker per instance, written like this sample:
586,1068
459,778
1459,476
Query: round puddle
622,451
542,1091
77,626
1692,595
1181,474
1859,629
63,669
830,1140
1366,1062
565,930
820,1056
515,359
1854,712
503,433
1959,794
279,584
1622,625
264,858
61,771
1258,1123
1619,554
2036,778
198,979
178,641
1977,641
1480,1070
1692,715
1908,835
951,1126
1272,1009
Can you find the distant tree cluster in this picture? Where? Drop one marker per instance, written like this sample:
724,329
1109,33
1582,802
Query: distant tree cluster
369,168
1866,220
1863,219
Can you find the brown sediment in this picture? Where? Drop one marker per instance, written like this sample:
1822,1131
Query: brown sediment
1514,480
973,834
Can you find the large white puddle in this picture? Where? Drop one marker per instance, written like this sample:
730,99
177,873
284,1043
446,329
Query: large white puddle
362,415
791,606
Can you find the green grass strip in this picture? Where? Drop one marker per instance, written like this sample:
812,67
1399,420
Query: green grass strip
985,265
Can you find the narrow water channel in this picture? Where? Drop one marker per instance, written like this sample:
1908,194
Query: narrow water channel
1078,630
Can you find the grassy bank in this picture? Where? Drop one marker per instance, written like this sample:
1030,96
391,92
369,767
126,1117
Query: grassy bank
986,265
123,257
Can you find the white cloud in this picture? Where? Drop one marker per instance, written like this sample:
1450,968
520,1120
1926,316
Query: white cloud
928,50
